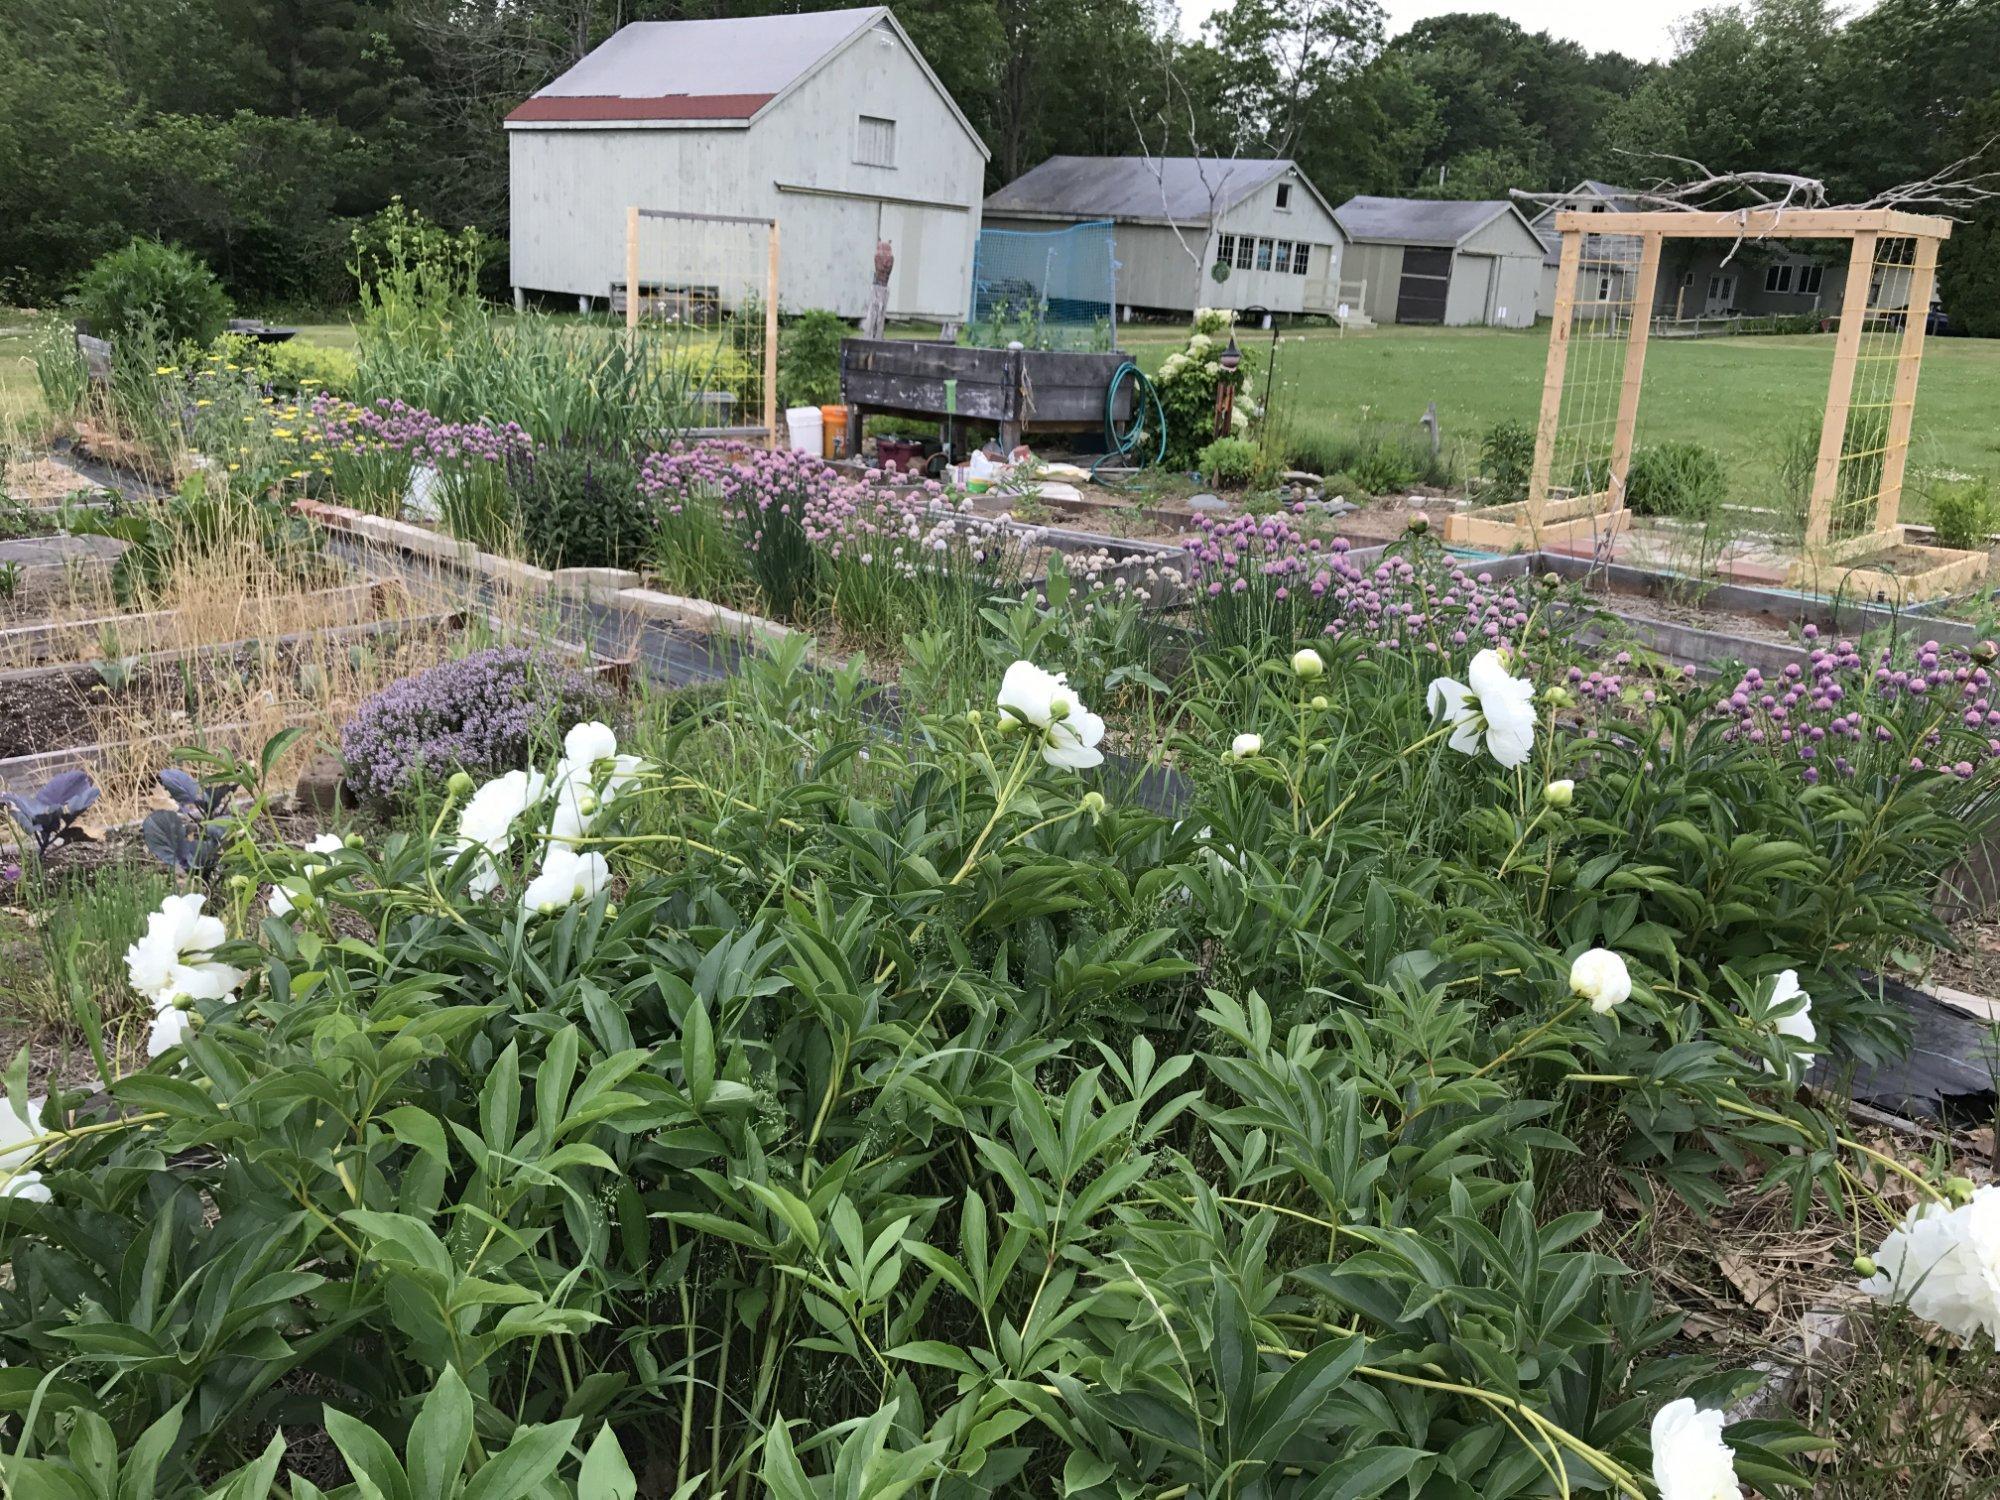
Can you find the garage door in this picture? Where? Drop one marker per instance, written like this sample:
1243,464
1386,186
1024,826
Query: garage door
1420,297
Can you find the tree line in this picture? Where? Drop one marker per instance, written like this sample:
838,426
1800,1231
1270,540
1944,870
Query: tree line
258,132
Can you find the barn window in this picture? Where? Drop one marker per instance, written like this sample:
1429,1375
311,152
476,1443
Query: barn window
1263,255
1225,249
1299,260
1245,248
1778,278
875,142
1284,197
1284,264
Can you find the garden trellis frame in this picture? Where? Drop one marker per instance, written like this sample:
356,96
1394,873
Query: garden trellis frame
706,271
1606,280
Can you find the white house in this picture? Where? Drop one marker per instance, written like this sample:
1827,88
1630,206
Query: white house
829,122
1441,260
1192,231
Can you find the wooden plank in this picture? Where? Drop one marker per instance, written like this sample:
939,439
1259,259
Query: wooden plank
1552,377
1635,366
771,344
924,396
1840,391
934,361
633,295
1760,223
1909,359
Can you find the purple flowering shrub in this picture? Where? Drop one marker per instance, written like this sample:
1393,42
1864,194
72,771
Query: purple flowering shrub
481,714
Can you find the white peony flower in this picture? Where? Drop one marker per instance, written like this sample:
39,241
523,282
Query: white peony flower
1600,976
590,775
170,1028
171,959
325,843
1690,1459
1944,1264
1045,702
1792,1020
1494,701
566,878
490,814
17,1178
485,874
284,898
1246,745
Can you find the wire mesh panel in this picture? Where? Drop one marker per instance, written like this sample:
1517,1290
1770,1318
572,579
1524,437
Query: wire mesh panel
1604,312
1875,433
1046,289
706,291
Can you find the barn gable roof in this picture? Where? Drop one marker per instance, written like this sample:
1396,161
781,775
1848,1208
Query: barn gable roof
716,73
1447,222
1173,189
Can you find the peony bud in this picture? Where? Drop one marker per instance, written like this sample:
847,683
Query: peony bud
239,882
1600,977
1960,1189
1092,804
1864,1265
1308,664
1246,745
460,784
1419,523
1559,793
1319,702
1552,581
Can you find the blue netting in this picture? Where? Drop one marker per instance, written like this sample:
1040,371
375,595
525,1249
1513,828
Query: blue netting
1048,289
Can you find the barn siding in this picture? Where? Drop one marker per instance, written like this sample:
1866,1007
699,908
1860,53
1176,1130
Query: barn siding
1381,267
571,188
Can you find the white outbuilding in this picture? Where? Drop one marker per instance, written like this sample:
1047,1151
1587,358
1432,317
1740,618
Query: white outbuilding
1192,231
829,122
1441,260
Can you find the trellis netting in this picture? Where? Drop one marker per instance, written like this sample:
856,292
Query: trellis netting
1048,289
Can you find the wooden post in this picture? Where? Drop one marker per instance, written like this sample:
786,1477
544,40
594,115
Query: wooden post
771,342
1552,379
632,269
1840,390
1635,365
1909,358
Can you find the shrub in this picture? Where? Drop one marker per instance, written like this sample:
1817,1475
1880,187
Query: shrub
180,293
1962,513
296,368
482,713
1680,479
809,359
1228,462
1506,455
1187,383
579,507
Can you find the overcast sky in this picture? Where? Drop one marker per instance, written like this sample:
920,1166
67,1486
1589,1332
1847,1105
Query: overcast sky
1638,28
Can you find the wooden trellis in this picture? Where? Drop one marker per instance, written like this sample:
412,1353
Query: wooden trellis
1606,282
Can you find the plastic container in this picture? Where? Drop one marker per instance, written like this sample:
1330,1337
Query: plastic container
980,472
802,429
833,421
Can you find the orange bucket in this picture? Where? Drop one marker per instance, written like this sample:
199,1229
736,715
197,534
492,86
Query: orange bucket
833,431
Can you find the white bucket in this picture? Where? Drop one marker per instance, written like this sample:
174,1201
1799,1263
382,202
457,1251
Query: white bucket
804,428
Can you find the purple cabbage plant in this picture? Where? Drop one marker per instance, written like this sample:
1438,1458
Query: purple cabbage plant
49,815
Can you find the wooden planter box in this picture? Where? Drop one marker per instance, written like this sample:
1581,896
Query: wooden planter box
1020,390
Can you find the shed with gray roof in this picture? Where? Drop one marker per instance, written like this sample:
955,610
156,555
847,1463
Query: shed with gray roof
829,122
1191,231
1441,260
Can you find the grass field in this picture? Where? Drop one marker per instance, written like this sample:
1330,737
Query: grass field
1738,395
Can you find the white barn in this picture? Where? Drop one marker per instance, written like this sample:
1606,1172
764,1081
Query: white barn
1442,260
831,123
1178,218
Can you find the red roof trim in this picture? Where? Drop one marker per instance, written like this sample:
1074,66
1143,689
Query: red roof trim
665,107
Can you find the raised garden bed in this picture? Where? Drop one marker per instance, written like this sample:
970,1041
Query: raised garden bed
1021,391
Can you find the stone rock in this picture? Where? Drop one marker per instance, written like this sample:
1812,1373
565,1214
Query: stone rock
1300,476
322,784
1207,502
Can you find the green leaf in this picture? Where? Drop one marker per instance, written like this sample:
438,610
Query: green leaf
606,1475
515,1471
1365,1475
370,1459
440,1438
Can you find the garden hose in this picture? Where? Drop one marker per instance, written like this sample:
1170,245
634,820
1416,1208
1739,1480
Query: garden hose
1121,439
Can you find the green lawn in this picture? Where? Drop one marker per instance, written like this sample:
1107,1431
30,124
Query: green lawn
1736,394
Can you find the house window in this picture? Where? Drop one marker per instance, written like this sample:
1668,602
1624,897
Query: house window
875,142
1809,280
1299,259
1245,248
1284,265
1778,278
1721,288
1225,249
1604,286
1263,255
1284,195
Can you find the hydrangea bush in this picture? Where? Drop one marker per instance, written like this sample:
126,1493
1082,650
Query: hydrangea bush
480,713
1187,382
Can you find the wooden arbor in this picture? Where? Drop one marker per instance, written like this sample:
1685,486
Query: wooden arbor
1606,285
